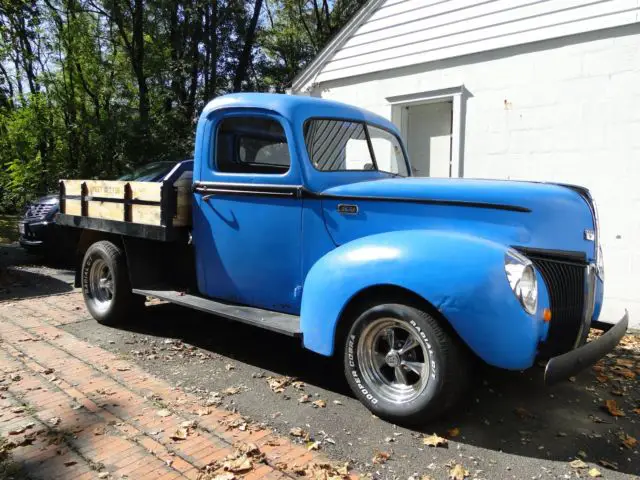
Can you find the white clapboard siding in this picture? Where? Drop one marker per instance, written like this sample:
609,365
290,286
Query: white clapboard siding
409,32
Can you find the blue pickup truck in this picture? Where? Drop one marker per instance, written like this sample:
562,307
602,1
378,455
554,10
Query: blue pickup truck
302,217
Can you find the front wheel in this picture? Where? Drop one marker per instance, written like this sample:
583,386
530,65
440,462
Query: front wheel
403,365
105,284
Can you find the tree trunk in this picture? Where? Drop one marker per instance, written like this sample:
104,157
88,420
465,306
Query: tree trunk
245,56
138,63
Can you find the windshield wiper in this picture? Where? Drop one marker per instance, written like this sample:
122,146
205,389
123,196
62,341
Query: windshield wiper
393,174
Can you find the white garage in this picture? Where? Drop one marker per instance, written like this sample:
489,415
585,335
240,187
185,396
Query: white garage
544,90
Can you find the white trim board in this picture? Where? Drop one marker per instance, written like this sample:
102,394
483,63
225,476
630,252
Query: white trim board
458,96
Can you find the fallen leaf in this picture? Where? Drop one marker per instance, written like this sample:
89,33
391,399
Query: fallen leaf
238,465
629,441
344,469
625,372
523,413
578,464
381,457
188,424
458,472
232,390
612,407
594,472
434,441
278,384
636,411
624,362
313,445
54,421
179,434
297,432
453,432
123,368
602,378
319,404
250,449
163,413
304,398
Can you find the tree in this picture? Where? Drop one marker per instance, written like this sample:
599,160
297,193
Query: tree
90,88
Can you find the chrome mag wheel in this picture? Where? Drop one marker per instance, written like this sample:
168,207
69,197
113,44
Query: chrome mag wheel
101,285
393,359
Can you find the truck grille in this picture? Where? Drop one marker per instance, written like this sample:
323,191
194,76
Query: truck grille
564,275
38,210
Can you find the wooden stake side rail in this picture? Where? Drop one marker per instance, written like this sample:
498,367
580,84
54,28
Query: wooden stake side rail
142,209
149,203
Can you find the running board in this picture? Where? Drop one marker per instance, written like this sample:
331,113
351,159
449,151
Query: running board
267,319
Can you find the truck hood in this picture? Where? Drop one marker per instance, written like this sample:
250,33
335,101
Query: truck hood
528,214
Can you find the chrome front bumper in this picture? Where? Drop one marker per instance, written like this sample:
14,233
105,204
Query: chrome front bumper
570,363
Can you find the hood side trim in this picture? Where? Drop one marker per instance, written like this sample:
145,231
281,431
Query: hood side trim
300,191
424,201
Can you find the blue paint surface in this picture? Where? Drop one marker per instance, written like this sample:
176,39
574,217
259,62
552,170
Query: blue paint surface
443,239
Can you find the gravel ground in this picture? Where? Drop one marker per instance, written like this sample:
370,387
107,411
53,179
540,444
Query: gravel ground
509,425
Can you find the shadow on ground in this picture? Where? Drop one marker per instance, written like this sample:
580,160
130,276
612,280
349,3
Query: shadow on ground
24,275
504,411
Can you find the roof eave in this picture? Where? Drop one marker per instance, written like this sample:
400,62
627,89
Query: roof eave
328,51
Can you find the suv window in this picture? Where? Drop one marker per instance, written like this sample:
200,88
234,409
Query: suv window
251,145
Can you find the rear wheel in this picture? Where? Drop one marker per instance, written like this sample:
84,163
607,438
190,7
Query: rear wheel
105,284
403,365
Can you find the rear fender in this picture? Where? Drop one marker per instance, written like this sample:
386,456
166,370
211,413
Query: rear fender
462,276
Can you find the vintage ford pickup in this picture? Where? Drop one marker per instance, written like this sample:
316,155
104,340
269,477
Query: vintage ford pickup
302,217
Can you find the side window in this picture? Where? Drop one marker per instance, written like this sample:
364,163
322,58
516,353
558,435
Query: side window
251,145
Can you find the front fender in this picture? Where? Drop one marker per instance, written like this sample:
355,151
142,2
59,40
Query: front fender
460,275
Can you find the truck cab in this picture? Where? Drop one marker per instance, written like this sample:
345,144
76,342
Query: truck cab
305,219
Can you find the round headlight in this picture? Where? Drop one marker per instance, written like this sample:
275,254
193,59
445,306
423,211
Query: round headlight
522,279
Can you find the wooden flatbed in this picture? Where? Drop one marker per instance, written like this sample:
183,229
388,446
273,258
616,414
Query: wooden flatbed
152,210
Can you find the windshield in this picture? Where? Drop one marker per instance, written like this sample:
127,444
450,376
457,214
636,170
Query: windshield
151,172
338,145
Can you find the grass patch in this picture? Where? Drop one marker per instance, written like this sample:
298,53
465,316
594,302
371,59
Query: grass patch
9,228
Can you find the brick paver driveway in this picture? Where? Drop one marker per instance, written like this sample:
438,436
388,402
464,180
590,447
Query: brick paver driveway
78,399
72,410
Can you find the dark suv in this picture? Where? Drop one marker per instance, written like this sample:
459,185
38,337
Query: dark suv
38,230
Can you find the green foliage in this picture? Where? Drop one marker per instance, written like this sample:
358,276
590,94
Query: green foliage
90,88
